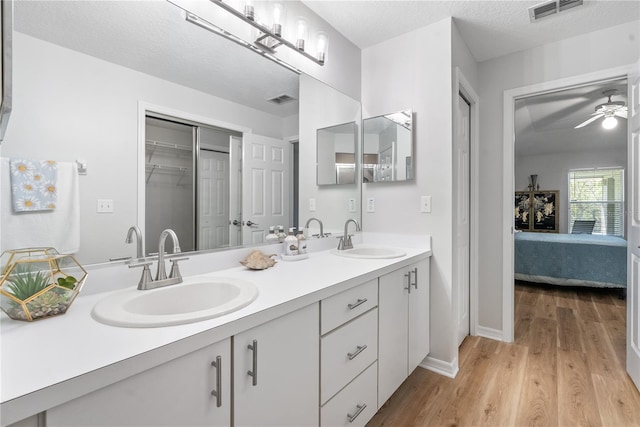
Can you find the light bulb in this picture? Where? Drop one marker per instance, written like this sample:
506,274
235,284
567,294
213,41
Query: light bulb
302,33
278,12
609,122
322,47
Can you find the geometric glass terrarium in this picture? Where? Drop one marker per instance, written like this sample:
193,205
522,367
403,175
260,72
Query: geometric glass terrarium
36,283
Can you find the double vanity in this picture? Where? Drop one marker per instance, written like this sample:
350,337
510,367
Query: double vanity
321,341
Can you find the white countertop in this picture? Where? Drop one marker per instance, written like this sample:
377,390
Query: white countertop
49,362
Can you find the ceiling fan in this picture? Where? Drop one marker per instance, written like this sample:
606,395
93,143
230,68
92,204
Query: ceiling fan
609,110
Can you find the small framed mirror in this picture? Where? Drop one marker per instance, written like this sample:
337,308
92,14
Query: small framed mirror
387,147
336,154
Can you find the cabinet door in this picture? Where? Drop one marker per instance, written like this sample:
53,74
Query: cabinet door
283,388
175,393
393,306
418,314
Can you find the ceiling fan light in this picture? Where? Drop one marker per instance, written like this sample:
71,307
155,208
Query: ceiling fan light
609,122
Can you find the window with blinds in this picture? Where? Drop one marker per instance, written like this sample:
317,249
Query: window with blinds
598,194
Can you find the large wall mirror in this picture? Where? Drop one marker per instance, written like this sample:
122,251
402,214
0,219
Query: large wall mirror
157,116
387,153
336,154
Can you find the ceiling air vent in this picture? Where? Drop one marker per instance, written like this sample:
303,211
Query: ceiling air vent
281,99
551,7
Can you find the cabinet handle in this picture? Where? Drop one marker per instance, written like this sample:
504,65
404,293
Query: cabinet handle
415,277
359,409
218,391
254,373
408,276
359,349
357,303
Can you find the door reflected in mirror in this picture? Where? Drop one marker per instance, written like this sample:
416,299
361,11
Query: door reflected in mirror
387,153
336,154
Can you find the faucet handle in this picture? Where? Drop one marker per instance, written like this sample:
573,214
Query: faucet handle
146,278
175,269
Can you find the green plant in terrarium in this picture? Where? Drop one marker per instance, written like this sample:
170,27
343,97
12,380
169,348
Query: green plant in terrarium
23,282
68,282
45,302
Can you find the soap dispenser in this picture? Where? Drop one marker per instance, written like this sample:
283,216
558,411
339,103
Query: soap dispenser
272,237
302,243
291,244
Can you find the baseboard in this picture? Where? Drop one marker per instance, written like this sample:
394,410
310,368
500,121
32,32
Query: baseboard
448,369
493,334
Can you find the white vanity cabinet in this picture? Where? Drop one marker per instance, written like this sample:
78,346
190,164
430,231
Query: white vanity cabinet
193,390
276,378
348,354
403,338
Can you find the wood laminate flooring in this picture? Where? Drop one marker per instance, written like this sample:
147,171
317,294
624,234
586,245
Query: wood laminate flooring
565,368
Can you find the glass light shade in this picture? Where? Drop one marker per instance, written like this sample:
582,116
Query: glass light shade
609,122
302,33
278,18
321,49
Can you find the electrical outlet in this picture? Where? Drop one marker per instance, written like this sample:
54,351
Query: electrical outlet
105,206
312,205
371,204
425,204
352,205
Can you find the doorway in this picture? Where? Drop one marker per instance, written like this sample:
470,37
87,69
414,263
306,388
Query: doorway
189,183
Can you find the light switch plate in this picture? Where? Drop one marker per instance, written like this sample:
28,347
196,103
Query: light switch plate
312,205
371,204
425,204
352,205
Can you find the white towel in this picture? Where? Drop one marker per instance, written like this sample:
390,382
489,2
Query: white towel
59,228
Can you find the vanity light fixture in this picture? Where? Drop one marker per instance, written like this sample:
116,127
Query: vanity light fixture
271,38
203,23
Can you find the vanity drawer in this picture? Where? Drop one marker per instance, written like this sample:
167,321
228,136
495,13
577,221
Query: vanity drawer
355,404
346,352
347,305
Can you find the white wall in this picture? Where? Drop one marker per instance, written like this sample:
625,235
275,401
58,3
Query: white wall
331,200
69,106
553,171
586,53
413,71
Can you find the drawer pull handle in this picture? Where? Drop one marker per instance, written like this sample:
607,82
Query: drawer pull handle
415,277
408,276
359,409
359,349
357,303
218,391
254,373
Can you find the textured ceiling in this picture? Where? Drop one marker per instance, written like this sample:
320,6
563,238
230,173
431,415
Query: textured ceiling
153,37
489,28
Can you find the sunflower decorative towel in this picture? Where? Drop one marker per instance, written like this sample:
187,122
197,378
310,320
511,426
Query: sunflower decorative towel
33,185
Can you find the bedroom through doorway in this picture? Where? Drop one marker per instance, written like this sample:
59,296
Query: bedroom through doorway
569,168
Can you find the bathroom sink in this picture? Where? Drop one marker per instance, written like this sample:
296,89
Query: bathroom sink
191,301
370,252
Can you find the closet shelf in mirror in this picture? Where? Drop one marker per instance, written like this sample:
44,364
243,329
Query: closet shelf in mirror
165,148
152,168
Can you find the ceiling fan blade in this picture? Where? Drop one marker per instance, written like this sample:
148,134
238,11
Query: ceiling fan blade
586,122
621,113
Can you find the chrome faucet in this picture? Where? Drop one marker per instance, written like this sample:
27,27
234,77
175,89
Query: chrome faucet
345,240
319,222
135,230
161,274
146,281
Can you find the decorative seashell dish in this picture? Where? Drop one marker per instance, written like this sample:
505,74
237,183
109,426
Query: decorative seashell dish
257,260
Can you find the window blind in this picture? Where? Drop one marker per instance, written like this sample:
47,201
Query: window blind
598,194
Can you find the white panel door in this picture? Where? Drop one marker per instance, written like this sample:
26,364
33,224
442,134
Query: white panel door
213,200
462,230
265,190
235,191
633,262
